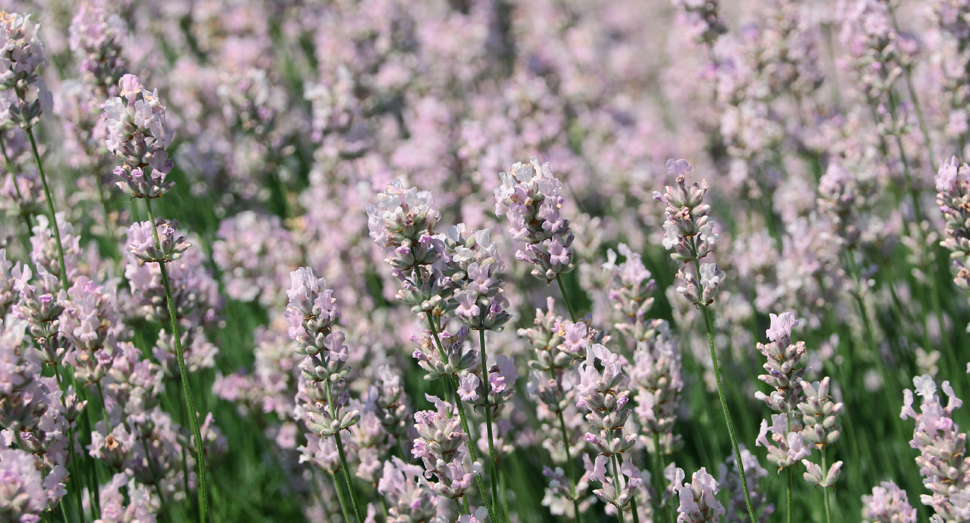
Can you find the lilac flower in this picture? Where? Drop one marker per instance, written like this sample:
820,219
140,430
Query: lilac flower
821,429
21,61
697,501
690,234
142,505
942,460
471,265
406,493
529,197
656,378
44,251
442,446
97,38
22,495
785,448
953,184
630,292
139,135
887,504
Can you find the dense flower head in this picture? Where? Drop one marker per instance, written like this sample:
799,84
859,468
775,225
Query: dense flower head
311,312
953,199
887,504
618,495
400,219
156,243
530,200
458,357
655,378
786,448
630,292
442,446
139,135
256,255
698,503
472,264
21,61
784,369
407,496
22,495
97,37
604,395
943,462
126,501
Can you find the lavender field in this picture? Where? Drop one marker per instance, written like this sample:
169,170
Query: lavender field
434,261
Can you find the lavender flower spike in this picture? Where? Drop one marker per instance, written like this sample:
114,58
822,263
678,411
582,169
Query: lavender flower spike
529,198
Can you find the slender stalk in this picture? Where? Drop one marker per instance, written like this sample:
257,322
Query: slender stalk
340,497
493,476
565,297
659,464
184,374
709,324
343,457
151,468
617,484
570,466
825,491
50,207
788,494
452,386
908,75
74,463
104,407
634,509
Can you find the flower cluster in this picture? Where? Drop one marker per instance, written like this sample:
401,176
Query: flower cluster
402,223
311,313
887,504
442,446
698,503
139,136
953,198
630,294
21,62
604,395
97,38
730,481
821,428
785,373
656,377
689,232
529,198
943,462
408,498
471,269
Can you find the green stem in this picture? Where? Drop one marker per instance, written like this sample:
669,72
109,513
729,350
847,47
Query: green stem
709,324
658,470
634,509
75,474
452,387
493,476
184,374
788,494
825,491
343,457
565,297
50,207
617,485
340,498
570,466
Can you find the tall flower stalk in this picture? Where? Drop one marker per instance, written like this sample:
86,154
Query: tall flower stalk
139,136
403,223
689,232
311,313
